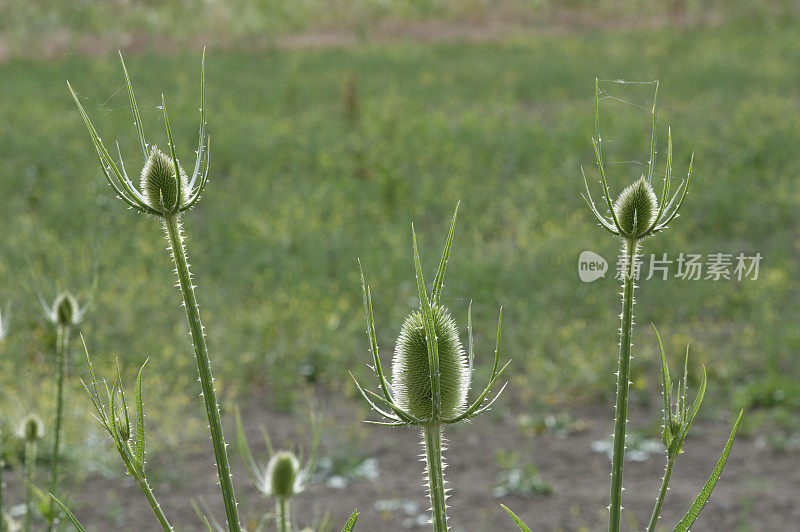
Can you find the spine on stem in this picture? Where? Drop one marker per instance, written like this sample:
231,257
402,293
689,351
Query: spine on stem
623,381
62,341
661,494
432,432
173,229
283,514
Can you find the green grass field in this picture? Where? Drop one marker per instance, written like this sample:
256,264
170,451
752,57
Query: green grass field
324,156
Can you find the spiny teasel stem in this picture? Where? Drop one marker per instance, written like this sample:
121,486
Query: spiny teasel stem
661,494
432,433
623,381
62,343
282,515
30,473
2,486
173,229
151,498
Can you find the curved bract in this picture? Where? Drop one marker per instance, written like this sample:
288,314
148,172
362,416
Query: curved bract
165,189
636,213
432,390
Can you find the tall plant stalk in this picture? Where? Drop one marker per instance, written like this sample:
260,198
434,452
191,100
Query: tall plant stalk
62,343
30,473
662,493
166,191
282,513
434,457
431,375
175,238
629,249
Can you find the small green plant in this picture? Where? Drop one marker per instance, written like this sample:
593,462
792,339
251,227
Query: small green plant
64,314
166,192
431,375
30,431
285,474
677,417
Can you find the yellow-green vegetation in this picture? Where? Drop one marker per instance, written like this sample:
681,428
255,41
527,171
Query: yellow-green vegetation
301,190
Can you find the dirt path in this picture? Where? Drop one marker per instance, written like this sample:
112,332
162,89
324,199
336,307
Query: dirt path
757,491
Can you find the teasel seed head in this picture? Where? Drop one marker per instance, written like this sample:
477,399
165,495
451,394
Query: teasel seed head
636,207
158,183
31,429
66,310
411,377
283,470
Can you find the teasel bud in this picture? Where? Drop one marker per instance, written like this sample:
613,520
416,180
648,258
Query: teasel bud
31,429
65,310
428,388
638,213
411,371
160,189
164,190
283,471
636,207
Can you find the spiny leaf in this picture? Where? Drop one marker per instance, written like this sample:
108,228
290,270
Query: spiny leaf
522,526
139,449
438,281
350,525
71,517
701,500
666,390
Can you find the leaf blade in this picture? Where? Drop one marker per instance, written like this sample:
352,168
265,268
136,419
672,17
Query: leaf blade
701,500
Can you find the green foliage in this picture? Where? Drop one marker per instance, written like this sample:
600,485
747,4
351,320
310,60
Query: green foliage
700,502
522,526
519,478
351,522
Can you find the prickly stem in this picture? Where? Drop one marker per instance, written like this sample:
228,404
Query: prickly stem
661,494
151,498
432,433
282,512
62,343
623,380
173,229
30,470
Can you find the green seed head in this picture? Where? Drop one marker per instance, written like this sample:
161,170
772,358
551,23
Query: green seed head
282,472
158,183
32,428
66,310
411,377
636,207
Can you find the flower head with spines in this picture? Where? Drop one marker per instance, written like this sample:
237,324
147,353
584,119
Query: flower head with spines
65,310
165,189
637,213
431,373
286,473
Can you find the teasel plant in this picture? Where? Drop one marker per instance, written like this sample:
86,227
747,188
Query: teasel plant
30,431
635,215
431,375
677,417
64,314
166,192
5,324
285,475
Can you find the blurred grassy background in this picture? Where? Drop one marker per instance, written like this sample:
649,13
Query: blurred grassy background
322,154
